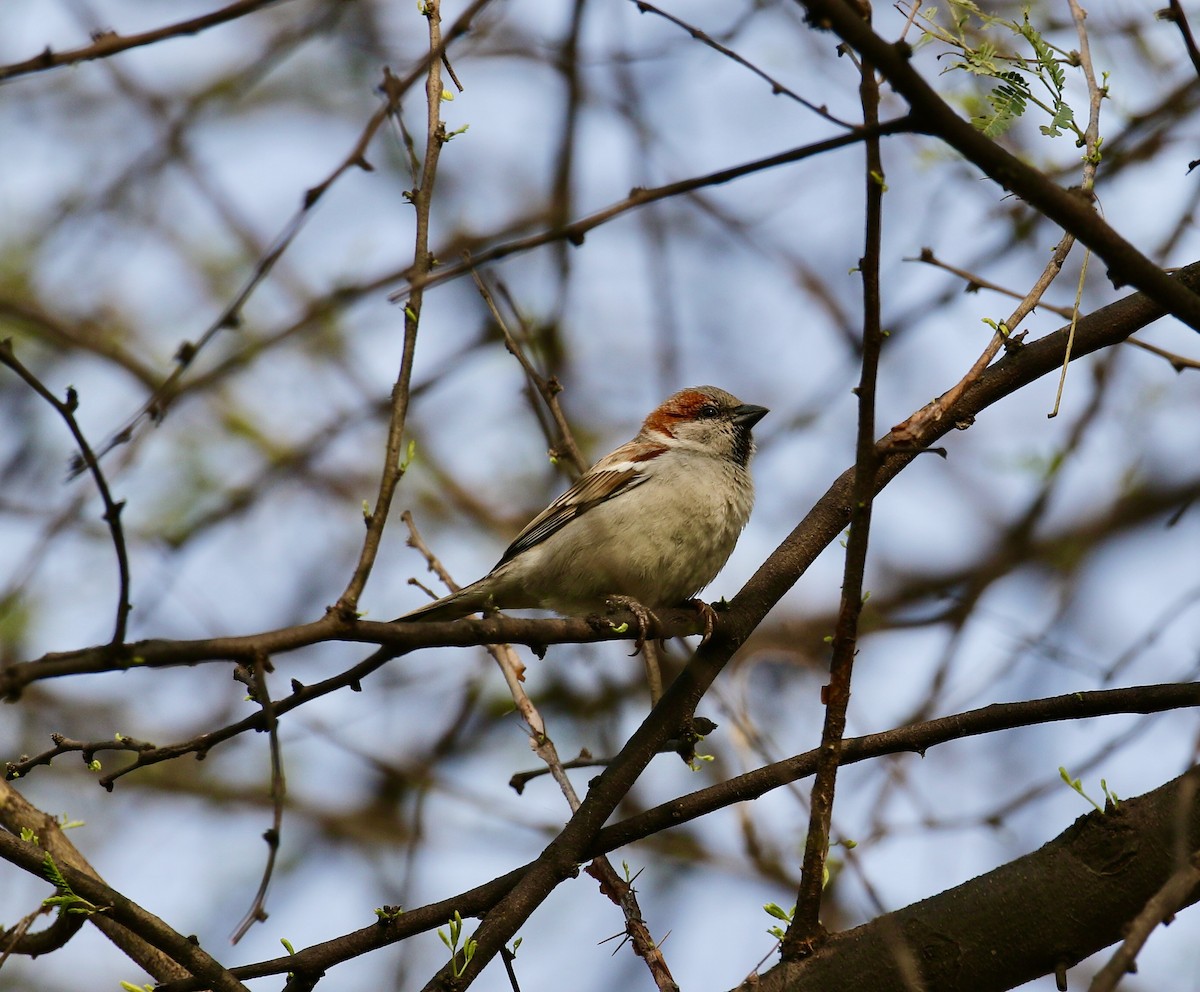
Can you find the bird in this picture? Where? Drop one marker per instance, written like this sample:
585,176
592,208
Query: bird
647,527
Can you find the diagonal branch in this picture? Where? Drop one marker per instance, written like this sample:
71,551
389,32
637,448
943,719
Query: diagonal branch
1072,211
180,950
768,585
1175,13
1177,891
914,738
777,88
18,814
106,43
577,230
1034,916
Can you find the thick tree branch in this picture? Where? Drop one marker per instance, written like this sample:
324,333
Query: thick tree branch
17,814
1072,211
768,585
915,739
398,638
1044,912
179,949
824,522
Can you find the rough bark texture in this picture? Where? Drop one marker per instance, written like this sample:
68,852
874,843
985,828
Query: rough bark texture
1051,908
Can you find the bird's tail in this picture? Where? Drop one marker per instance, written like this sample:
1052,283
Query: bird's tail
457,605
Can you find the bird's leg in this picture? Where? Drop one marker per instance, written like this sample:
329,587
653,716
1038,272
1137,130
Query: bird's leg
653,671
642,615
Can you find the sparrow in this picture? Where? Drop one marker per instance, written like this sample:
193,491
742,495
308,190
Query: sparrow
648,526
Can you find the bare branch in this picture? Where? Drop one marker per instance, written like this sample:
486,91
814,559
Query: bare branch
107,43
914,738
577,230
112,508
805,931
777,87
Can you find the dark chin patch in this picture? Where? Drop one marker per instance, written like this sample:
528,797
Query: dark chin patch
742,445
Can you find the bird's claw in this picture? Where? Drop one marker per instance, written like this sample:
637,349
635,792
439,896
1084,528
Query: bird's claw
708,615
641,615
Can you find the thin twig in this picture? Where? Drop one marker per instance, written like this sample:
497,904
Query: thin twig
777,88
911,16
653,665
112,508
519,780
423,262
200,745
623,894
508,957
1178,362
416,542
576,231
805,930
262,695
975,281
65,745
1159,910
1091,159
106,43
16,939
548,388
1062,378
1175,13
393,89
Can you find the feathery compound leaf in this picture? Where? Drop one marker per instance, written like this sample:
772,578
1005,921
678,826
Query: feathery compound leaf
980,61
1009,100
1064,117
1045,56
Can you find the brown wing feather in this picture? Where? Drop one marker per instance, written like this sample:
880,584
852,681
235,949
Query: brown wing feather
589,490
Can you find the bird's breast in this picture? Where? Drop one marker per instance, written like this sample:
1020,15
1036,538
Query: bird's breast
660,542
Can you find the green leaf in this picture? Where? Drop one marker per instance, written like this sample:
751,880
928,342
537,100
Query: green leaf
1064,118
778,912
1045,55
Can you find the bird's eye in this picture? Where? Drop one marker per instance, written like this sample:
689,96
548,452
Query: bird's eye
708,411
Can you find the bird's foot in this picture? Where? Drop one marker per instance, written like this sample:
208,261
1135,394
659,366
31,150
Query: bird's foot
707,614
642,615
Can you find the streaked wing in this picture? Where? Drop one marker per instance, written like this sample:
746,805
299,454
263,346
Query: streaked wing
596,486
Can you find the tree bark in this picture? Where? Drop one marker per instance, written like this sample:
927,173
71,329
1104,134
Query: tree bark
1045,911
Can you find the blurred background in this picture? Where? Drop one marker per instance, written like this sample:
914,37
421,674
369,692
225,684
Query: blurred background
139,194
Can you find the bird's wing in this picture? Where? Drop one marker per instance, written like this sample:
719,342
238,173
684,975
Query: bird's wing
610,477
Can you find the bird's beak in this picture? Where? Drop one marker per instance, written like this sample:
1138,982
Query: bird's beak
747,415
